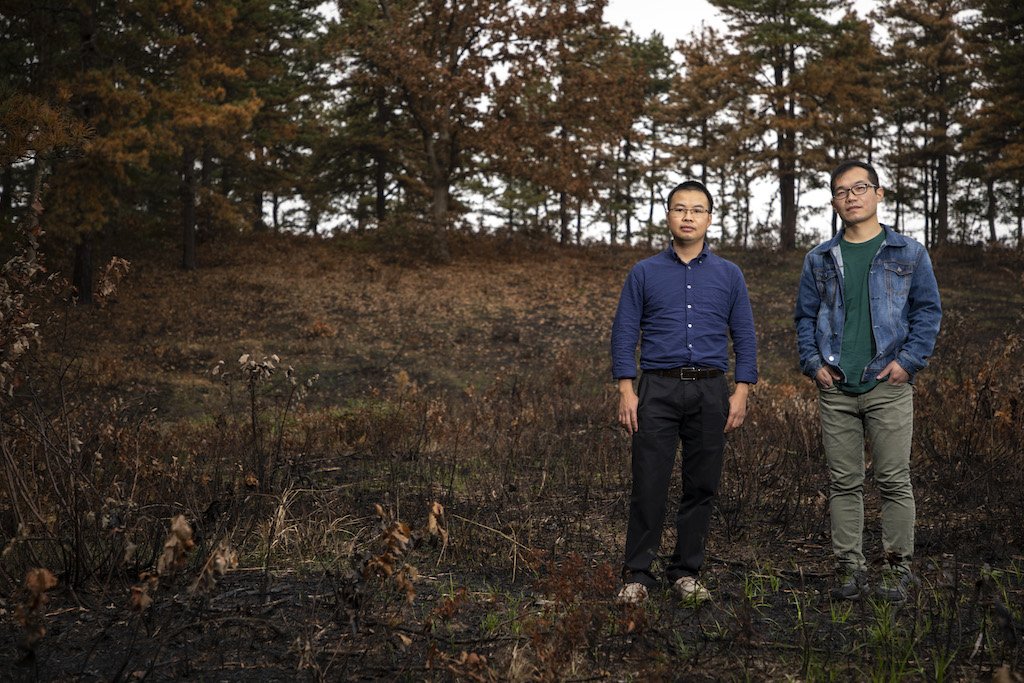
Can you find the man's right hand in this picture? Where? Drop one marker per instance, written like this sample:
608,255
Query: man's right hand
628,402
827,376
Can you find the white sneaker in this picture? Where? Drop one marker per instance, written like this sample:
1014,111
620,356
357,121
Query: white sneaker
691,590
632,594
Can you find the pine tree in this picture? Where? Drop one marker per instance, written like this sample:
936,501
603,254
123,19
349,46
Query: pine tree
76,60
198,106
436,56
781,38
563,121
994,126
927,83
849,100
276,43
708,116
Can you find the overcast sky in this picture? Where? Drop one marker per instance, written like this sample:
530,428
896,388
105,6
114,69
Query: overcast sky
675,20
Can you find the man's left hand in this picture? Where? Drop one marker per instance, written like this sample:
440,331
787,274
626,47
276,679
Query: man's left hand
737,408
895,374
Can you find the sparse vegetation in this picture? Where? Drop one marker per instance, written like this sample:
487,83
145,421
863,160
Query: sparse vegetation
447,499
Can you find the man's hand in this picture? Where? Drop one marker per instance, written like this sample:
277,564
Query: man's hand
737,406
895,373
628,402
827,376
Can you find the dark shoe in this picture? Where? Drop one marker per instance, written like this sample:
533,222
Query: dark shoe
851,584
896,584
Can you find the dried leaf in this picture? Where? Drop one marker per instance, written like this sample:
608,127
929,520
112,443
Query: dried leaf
40,580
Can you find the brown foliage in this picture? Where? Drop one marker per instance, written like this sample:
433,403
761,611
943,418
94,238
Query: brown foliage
30,610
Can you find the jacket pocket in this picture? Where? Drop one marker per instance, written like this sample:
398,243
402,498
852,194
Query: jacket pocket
827,281
897,278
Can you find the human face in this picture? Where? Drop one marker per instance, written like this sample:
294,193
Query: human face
688,228
856,209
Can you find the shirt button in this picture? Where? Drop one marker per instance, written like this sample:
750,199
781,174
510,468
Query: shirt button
691,325
689,306
689,346
689,286
831,358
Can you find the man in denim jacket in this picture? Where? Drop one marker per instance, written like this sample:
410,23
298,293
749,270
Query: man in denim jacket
867,314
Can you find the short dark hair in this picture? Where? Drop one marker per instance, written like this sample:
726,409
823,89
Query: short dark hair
845,166
690,185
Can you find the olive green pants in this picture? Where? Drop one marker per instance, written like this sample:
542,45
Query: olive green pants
884,417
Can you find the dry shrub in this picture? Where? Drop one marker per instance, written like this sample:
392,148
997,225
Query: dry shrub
388,559
968,422
578,612
76,470
774,475
30,611
176,551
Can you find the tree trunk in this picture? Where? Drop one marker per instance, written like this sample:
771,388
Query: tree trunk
6,194
204,217
579,223
786,150
1020,214
439,198
942,197
651,187
81,278
188,207
990,213
313,220
563,218
627,152
439,219
787,195
926,209
380,170
258,223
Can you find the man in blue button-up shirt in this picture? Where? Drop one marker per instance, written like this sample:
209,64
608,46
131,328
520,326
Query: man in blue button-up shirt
867,315
681,305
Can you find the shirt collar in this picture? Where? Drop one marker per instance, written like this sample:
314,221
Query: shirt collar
704,252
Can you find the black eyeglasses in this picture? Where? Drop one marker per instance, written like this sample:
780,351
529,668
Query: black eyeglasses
697,211
857,190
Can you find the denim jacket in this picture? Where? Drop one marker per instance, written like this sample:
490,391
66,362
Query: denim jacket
905,307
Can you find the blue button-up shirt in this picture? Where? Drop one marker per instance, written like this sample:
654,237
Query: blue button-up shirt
685,313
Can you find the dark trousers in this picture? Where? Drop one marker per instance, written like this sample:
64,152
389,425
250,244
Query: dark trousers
670,411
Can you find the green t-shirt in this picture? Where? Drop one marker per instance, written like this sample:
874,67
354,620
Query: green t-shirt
858,340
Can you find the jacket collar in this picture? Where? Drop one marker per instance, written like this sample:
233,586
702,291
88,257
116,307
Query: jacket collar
892,239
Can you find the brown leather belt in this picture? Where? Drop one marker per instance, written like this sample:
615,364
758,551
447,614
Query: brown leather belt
687,373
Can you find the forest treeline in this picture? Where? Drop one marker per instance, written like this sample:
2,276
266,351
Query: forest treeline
123,119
